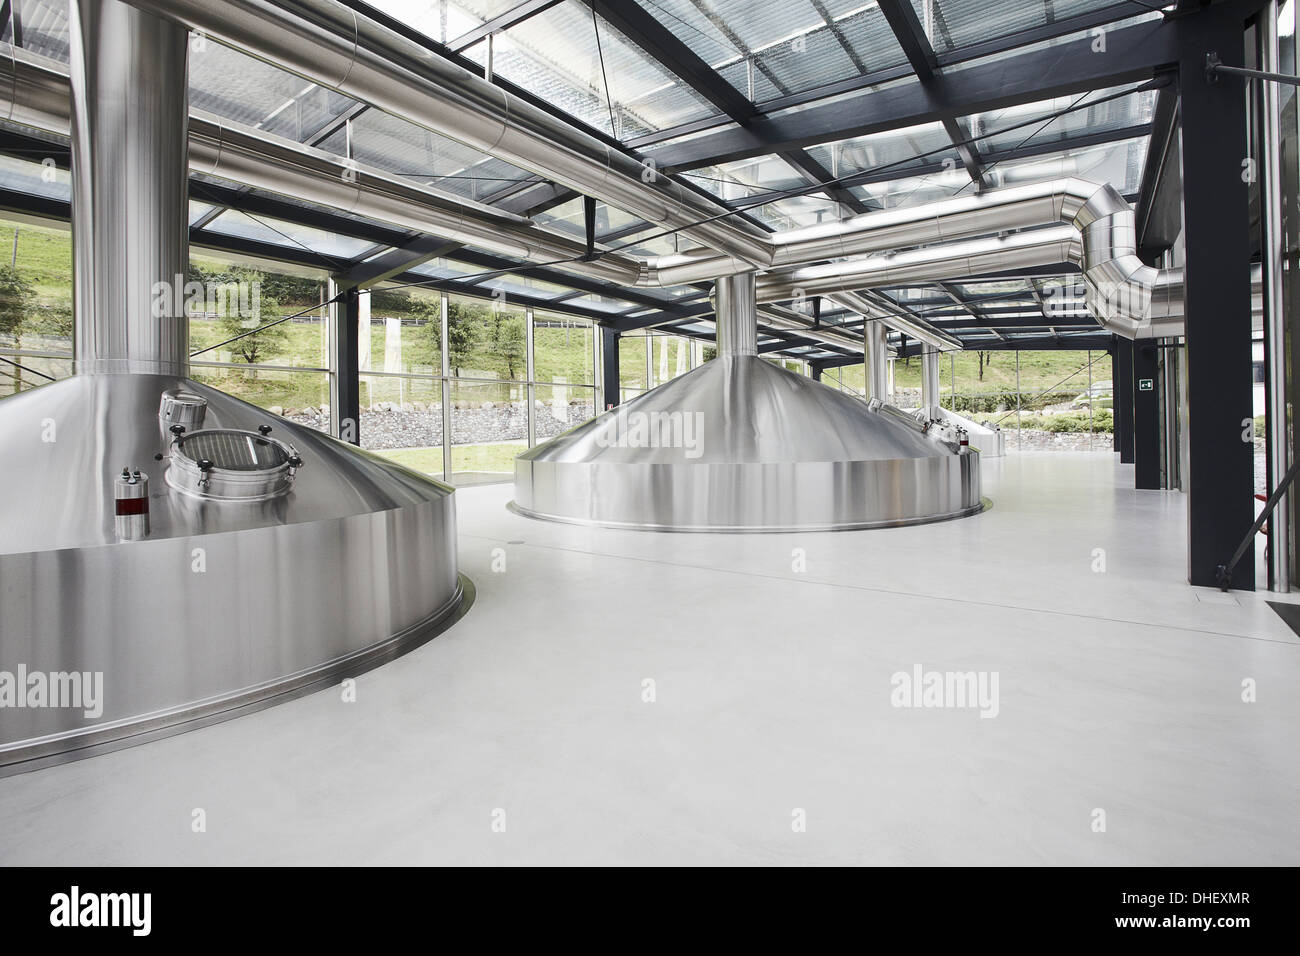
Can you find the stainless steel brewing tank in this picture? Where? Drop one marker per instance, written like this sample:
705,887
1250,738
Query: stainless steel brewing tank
224,604
741,444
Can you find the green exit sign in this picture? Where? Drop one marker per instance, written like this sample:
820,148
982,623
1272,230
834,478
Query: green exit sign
1146,385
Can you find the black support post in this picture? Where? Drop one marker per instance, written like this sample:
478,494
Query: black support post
346,418
1123,396
1146,414
611,393
1216,225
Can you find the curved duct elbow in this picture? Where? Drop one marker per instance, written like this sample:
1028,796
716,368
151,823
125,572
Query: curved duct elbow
1117,284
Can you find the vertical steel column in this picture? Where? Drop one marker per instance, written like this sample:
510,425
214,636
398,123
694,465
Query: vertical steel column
1146,414
930,380
1019,446
1123,398
530,395
345,363
875,359
1217,295
1279,429
446,389
130,176
1091,401
609,368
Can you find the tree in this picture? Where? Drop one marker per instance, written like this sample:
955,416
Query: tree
464,329
265,343
985,358
512,343
16,296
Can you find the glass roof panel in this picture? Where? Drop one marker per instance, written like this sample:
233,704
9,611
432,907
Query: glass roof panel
996,133
198,210
744,178
798,211
569,218
525,285
400,147
279,232
35,179
893,149
238,87
914,190
444,20
559,56
602,303
996,287
44,27
778,47
446,269
1119,164
911,295
952,24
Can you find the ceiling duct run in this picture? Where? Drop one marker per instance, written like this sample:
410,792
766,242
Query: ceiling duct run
943,240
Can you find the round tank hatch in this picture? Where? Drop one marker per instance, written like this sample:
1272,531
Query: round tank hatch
231,464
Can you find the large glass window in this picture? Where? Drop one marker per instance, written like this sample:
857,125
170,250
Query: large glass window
35,305
261,336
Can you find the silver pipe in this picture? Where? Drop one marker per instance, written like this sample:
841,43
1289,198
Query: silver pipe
788,320
875,357
736,315
129,182
263,160
963,217
893,318
1279,457
930,382
259,159
1167,317
329,44
1038,247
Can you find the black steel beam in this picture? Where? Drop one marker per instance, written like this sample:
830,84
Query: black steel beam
1133,53
1122,373
817,174
346,342
1146,414
397,260
1158,215
1216,217
611,393
664,45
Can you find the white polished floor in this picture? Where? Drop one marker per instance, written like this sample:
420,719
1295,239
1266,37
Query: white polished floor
1119,691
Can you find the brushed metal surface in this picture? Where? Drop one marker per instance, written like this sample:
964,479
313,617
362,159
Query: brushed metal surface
130,221
222,600
206,607
774,451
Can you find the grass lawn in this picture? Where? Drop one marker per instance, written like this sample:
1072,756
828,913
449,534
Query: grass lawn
495,457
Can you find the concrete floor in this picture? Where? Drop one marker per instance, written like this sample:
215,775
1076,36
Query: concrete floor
1119,691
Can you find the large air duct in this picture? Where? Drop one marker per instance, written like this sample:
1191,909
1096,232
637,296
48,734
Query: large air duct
741,444
1168,310
1118,284
172,555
